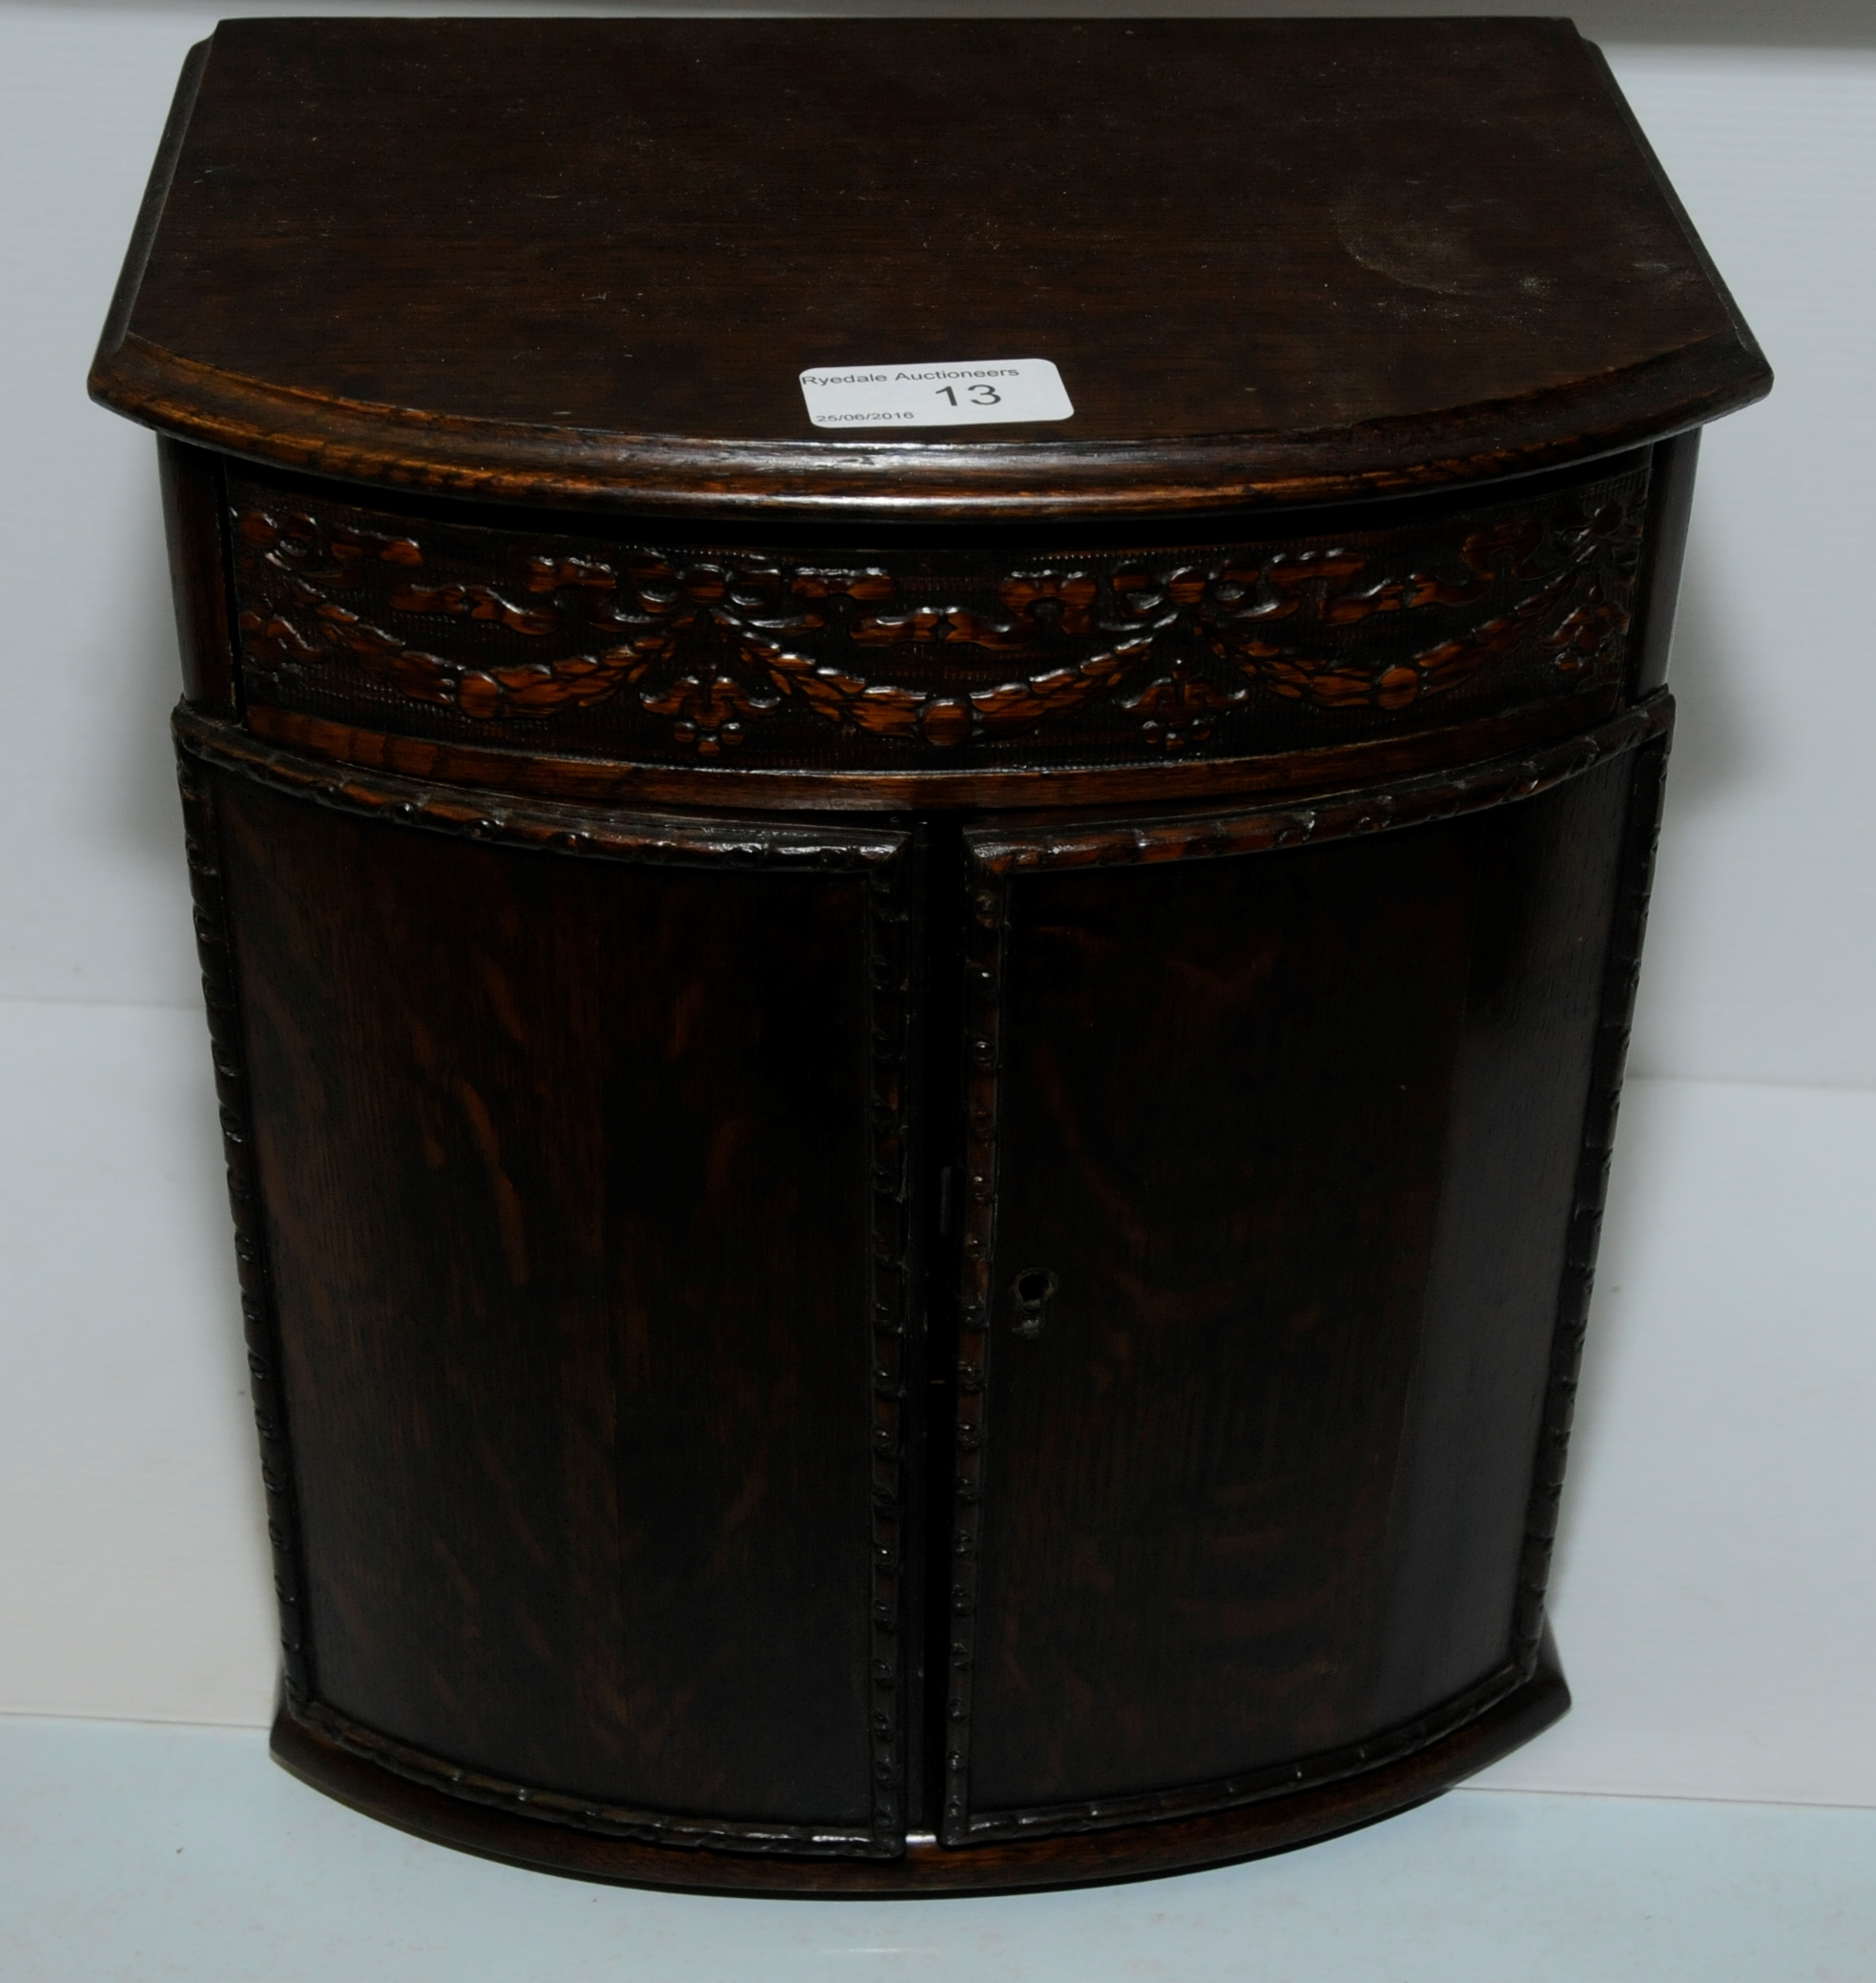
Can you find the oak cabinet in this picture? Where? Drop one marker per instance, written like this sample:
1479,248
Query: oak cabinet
917,1118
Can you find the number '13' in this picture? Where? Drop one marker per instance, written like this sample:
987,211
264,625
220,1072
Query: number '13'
980,395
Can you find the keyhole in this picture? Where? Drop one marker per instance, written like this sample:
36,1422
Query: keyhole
1034,1288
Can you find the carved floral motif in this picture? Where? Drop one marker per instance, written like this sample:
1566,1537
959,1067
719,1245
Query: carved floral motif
714,645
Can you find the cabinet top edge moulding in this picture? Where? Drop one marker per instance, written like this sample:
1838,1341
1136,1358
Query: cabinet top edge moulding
583,264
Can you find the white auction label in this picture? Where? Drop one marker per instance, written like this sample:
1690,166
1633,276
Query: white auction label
948,395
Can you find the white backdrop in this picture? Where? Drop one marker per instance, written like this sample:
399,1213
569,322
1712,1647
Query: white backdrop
1717,1586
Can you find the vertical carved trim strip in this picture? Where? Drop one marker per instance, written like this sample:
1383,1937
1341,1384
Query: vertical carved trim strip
889,1003
227,1047
985,939
1622,973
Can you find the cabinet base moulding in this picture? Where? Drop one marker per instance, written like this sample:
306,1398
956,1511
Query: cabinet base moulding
1274,1823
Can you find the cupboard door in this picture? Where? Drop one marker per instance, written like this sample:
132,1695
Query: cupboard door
582,1219
1275,1158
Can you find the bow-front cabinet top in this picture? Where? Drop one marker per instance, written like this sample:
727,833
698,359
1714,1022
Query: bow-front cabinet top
1272,262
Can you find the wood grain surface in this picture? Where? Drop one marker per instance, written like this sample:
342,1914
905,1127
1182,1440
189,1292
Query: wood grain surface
584,261
947,654
571,1269
917,1126
1291,1140
927,1869
570,1300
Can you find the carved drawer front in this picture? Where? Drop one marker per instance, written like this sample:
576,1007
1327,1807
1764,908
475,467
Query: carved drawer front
947,657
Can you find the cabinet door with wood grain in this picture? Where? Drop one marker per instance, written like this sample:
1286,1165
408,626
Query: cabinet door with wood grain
582,1178
1278,1155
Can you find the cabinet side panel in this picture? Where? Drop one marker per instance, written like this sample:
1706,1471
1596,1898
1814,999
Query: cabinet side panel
565,1173
194,519
1547,896
1670,511
1225,1091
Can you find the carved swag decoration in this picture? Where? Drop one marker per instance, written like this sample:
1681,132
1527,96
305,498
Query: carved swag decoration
1162,643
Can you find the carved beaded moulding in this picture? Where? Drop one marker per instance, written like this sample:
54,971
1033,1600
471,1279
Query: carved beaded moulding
945,655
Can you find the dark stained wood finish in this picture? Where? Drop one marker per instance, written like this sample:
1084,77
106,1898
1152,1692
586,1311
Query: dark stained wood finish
928,1871
193,506
412,1477
494,1618
1275,261
1289,1376
1549,987
917,1127
1671,510
577,780
497,1123
1016,841
1202,1434
945,654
